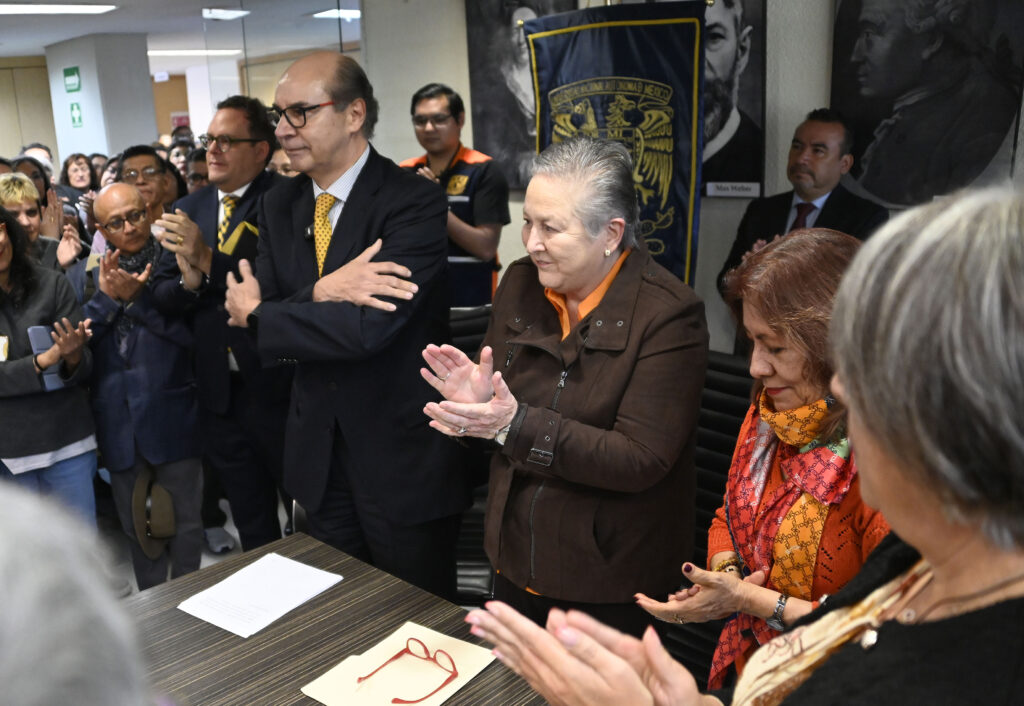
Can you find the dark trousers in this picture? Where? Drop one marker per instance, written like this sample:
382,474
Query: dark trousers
624,617
244,449
183,480
351,519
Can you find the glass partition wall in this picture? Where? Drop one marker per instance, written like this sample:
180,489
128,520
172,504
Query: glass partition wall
244,46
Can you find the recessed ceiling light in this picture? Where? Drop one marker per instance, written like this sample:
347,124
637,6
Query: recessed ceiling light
214,13
347,15
194,52
35,9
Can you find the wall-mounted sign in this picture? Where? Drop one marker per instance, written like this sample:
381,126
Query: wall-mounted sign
76,115
72,80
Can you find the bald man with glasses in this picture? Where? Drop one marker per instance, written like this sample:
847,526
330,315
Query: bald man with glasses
142,388
349,288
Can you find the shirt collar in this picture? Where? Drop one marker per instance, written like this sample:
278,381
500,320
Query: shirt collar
237,193
342,187
819,202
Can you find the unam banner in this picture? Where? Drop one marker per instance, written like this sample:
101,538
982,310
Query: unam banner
632,73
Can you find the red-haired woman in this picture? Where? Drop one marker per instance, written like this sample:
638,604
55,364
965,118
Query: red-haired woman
792,527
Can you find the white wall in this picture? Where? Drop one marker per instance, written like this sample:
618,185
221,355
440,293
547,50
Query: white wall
207,85
116,97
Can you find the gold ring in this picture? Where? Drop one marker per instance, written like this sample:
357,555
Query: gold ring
181,239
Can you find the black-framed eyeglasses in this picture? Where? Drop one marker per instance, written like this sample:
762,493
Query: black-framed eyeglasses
417,649
116,225
196,177
294,114
435,120
223,142
130,176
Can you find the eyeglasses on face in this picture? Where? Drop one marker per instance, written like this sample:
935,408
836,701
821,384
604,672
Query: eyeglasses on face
435,120
130,176
116,225
417,649
196,177
294,114
223,142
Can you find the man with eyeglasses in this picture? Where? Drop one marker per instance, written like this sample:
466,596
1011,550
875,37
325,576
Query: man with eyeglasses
143,168
350,287
197,174
477,193
242,405
142,388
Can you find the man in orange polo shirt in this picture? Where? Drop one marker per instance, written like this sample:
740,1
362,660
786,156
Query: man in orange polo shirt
476,188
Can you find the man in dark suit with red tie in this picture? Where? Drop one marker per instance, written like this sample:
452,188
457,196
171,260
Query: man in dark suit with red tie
243,405
350,286
818,158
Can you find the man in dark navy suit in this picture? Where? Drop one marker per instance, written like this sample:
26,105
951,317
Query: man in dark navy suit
242,405
350,286
142,389
818,158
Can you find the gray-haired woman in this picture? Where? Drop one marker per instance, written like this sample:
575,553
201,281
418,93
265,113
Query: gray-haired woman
600,356
928,338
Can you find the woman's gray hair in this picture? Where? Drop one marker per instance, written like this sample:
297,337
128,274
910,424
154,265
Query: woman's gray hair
64,638
605,169
928,338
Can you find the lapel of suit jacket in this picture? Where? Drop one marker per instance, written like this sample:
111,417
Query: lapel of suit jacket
205,212
302,220
350,236
245,207
783,204
833,212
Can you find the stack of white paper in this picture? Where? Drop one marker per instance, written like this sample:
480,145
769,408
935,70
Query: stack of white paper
408,677
257,595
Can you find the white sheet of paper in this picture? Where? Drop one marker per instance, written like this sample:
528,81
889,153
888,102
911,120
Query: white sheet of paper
256,595
408,677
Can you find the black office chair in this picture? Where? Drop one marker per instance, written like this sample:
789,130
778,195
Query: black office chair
474,576
724,404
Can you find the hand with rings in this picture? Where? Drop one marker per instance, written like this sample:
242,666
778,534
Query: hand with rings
456,377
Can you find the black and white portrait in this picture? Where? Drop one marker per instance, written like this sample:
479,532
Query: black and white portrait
501,83
734,64
933,88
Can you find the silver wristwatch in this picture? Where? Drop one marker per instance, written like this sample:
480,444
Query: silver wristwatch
775,622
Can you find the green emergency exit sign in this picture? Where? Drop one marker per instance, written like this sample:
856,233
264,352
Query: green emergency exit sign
72,80
76,115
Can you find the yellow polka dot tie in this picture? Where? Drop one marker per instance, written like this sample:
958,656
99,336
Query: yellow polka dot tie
322,229
229,202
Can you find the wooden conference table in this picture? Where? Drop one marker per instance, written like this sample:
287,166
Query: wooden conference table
198,664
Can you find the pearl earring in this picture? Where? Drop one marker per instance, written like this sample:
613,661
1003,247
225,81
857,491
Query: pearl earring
607,252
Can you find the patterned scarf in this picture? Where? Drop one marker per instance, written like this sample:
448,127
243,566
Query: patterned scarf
779,531
786,662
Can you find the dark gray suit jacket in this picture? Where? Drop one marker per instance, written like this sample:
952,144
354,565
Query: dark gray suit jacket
765,218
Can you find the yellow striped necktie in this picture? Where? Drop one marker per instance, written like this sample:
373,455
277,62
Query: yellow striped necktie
322,228
229,202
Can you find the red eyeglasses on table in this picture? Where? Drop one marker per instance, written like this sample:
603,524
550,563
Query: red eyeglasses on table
417,649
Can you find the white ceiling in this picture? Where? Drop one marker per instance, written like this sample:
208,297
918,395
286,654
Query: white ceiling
273,27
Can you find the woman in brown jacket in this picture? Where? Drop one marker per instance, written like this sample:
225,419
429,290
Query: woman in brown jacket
588,386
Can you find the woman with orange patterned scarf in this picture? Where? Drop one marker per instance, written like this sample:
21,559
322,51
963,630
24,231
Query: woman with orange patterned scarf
792,526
